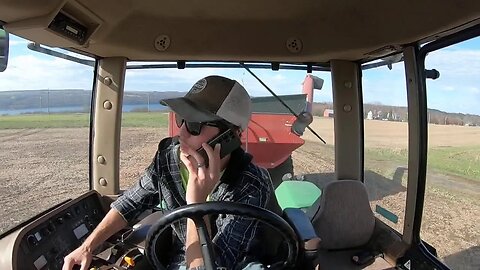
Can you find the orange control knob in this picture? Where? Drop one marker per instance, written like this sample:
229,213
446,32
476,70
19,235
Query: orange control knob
130,261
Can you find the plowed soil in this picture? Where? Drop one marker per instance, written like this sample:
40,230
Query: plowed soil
42,167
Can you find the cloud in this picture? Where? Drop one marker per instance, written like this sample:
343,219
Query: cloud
281,82
473,90
384,86
81,56
448,88
26,72
457,89
459,83
18,42
171,79
455,63
32,70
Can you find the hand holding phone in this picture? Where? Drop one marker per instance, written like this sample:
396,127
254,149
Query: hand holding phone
228,141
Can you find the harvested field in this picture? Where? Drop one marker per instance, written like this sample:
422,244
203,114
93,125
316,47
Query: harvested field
41,167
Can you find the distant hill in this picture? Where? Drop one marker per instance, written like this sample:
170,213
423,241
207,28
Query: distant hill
25,99
396,113
28,99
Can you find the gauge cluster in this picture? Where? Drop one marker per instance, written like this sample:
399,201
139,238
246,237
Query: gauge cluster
46,241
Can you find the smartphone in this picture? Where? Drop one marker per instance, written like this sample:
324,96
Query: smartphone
228,140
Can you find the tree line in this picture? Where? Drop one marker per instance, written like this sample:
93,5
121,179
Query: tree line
397,113
26,99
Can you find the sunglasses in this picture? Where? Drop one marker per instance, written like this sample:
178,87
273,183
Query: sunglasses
195,128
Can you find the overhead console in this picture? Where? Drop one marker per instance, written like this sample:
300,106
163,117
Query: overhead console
44,243
70,25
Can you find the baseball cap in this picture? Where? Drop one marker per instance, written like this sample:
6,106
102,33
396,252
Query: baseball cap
214,98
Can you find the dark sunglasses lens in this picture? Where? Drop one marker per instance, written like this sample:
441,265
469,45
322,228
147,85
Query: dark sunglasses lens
194,128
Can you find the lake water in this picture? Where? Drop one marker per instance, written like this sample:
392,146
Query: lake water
80,109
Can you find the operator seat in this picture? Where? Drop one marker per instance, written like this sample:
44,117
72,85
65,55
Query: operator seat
345,223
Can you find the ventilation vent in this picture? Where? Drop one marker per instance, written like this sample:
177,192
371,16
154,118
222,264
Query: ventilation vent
294,45
162,43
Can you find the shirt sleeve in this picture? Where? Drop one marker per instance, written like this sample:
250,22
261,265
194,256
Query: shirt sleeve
142,196
235,236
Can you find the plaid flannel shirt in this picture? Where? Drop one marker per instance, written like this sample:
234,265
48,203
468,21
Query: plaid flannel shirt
242,182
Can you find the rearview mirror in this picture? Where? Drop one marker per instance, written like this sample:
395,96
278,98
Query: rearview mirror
3,49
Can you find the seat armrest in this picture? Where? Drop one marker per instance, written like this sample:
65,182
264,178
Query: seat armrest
303,228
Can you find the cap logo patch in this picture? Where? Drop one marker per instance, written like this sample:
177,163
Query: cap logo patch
198,86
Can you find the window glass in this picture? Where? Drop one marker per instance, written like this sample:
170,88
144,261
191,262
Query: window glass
270,137
44,132
386,142
451,214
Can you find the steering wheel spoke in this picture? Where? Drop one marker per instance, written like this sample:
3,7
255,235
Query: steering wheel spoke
206,244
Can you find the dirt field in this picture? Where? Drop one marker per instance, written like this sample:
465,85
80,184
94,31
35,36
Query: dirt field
43,167
395,134
452,204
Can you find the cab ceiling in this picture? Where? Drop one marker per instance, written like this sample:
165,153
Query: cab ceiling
246,30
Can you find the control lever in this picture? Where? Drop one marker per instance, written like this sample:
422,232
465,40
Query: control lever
115,252
119,248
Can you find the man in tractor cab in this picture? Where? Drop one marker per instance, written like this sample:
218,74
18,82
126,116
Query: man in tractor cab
179,174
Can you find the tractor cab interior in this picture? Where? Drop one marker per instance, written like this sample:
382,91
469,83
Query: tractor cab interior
325,221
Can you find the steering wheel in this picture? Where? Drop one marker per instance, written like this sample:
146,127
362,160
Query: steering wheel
197,211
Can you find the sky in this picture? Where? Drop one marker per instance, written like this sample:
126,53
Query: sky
457,89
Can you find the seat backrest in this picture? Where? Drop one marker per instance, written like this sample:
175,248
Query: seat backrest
344,218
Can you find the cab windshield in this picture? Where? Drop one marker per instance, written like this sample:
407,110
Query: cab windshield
45,105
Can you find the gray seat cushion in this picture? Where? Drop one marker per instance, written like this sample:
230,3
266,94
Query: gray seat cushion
344,218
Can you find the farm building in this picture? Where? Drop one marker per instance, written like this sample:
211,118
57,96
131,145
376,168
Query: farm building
328,113
370,115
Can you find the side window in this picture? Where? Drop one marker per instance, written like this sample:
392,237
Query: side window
386,142
451,214
44,132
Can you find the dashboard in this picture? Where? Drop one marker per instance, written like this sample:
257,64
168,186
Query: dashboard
43,243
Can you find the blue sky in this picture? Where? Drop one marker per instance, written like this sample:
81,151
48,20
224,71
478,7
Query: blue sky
457,89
